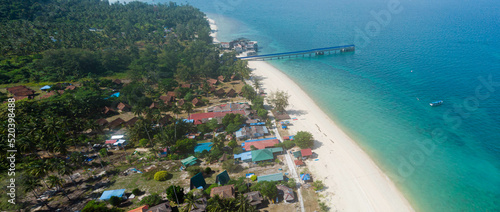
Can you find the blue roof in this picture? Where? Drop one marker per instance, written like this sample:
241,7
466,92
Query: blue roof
45,87
203,146
244,156
108,194
258,123
305,177
262,139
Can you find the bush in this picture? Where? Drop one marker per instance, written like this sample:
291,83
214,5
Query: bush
161,176
233,144
318,185
253,177
143,142
230,166
115,201
136,192
237,151
323,207
277,160
94,206
208,170
153,199
304,139
193,170
291,183
209,189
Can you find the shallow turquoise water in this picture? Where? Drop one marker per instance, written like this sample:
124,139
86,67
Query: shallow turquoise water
443,158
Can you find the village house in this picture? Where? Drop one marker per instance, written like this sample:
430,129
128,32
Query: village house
251,132
231,93
196,102
225,45
220,79
116,123
212,82
286,193
123,107
226,191
255,198
163,207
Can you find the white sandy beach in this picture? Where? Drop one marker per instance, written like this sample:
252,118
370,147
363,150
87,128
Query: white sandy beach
354,181
214,29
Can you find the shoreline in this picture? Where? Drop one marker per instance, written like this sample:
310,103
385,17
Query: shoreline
353,182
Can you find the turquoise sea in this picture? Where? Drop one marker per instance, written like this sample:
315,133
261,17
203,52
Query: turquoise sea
408,53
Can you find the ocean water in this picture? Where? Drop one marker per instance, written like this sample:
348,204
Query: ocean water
408,53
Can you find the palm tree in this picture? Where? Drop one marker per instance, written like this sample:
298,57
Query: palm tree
188,107
243,204
57,182
65,169
139,111
38,169
190,201
176,111
31,184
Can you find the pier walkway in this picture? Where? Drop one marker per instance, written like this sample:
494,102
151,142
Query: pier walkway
310,52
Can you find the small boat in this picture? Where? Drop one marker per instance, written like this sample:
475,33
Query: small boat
436,103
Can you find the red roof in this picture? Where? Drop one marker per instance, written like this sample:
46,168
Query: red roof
172,93
199,116
70,87
212,81
306,152
195,101
140,209
111,141
298,162
122,106
261,144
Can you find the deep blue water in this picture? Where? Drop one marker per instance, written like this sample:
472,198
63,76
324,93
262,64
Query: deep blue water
443,158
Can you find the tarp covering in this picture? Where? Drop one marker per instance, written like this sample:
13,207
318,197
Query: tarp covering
108,194
245,156
271,177
117,94
197,181
261,155
222,178
249,175
203,146
117,136
191,160
305,177
45,87
258,123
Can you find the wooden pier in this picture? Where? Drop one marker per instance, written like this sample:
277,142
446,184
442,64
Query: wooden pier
310,53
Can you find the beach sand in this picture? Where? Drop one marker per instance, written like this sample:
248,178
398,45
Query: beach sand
354,182
214,29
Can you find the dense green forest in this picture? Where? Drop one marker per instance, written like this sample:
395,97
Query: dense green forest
156,47
66,40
